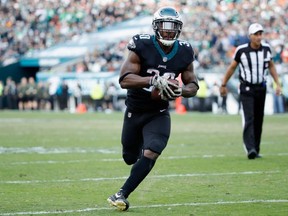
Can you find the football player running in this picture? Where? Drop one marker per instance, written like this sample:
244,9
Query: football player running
151,62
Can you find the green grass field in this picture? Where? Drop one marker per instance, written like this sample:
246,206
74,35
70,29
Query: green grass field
68,164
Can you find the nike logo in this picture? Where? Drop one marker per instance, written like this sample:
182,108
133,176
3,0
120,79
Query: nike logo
117,195
162,110
162,66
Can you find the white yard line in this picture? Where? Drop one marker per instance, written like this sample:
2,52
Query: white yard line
120,159
43,150
144,207
81,150
152,176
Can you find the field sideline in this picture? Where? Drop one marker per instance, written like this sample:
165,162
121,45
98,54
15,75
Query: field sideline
68,164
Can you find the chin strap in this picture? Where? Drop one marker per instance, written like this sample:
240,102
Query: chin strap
167,42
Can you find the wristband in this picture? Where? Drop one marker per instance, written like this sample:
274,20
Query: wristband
223,85
150,81
123,76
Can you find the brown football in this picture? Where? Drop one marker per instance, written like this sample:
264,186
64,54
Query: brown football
155,91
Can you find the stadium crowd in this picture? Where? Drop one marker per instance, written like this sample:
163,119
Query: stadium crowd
214,28
30,95
34,24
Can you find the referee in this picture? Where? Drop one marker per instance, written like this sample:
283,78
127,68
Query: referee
254,60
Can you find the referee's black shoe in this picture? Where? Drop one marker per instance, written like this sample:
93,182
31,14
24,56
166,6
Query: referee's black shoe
258,156
252,154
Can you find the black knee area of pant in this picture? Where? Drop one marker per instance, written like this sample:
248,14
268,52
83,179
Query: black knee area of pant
130,159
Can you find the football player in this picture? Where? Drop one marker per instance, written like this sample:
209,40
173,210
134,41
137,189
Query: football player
152,61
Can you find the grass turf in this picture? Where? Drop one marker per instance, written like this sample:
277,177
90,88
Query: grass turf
68,164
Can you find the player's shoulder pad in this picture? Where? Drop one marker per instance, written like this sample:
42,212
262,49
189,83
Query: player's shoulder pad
138,40
184,43
131,44
186,48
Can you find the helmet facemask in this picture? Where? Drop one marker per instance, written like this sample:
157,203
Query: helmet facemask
167,25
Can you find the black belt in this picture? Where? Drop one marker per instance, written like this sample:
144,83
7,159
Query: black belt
253,84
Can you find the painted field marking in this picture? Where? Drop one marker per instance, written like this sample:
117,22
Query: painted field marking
152,177
60,150
79,150
144,206
120,159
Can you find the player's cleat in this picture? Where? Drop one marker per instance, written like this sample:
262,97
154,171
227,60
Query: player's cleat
252,154
119,201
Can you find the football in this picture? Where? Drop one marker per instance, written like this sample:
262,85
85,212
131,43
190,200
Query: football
155,91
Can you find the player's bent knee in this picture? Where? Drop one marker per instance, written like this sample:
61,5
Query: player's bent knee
130,159
151,154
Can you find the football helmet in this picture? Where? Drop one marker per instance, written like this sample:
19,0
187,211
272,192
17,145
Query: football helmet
167,25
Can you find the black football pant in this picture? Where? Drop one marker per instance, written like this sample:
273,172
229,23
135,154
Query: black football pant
144,131
253,102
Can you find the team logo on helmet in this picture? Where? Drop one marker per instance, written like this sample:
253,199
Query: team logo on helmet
131,44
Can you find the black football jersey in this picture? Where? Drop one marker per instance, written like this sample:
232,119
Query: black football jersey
155,61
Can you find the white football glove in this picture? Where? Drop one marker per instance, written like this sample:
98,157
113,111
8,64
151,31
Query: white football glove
172,94
163,84
159,83
156,81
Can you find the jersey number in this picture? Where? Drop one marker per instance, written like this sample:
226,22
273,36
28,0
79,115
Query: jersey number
144,36
184,43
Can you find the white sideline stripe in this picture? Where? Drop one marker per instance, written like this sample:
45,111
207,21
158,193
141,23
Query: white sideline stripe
63,150
145,206
65,162
60,150
120,159
153,177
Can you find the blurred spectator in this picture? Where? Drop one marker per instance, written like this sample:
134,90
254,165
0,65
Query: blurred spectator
202,94
215,95
10,93
109,95
77,94
53,85
63,96
278,99
31,92
284,53
22,96
224,104
1,94
43,97
81,67
97,95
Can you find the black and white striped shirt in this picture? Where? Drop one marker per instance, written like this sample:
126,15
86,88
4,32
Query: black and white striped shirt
253,63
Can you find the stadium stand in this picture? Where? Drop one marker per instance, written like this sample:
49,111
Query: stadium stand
68,34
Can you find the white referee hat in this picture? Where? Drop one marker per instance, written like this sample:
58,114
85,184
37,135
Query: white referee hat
255,27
